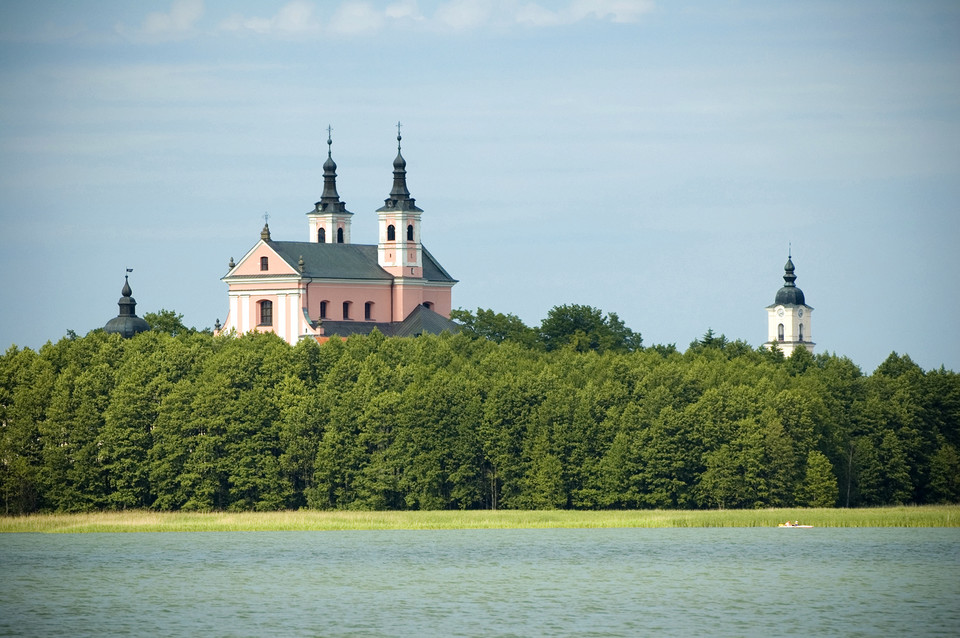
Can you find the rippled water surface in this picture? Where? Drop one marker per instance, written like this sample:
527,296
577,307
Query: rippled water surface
623,582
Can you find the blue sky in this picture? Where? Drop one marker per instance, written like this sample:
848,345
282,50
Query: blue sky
654,159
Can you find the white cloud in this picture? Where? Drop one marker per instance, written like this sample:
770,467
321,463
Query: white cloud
357,17
615,10
464,14
179,23
403,10
293,19
353,18
536,16
621,11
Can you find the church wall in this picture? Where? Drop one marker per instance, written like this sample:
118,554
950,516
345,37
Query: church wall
791,321
250,265
410,293
330,226
440,299
245,300
357,293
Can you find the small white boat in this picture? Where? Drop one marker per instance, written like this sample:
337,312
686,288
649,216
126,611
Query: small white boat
794,525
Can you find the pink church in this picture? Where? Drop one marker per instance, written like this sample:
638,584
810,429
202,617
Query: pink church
329,286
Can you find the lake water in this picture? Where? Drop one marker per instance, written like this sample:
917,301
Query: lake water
621,582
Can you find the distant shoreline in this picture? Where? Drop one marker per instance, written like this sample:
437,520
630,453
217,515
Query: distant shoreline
315,520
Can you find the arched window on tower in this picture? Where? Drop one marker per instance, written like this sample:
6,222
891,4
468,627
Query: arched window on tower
410,232
264,263
428,305
780,332
266,312
322,235
346,310
391,233
368,311
339,235
323,309
801,332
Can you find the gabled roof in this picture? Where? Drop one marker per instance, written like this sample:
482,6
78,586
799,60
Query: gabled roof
332,261
432,270
347,261
422,320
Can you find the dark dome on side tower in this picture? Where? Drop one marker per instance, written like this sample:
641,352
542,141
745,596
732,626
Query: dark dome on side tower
127,323
789,294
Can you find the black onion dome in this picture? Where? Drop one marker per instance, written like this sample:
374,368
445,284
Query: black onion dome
330,199
127,323
789,294
399,191
399,198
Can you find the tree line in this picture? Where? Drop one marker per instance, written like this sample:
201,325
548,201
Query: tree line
574,414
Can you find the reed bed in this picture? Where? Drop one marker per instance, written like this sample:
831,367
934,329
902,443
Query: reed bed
312,520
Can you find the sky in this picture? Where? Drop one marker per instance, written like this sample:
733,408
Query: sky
649,158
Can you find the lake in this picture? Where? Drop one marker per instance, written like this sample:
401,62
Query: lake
563,582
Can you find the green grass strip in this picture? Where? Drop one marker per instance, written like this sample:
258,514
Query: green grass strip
309,520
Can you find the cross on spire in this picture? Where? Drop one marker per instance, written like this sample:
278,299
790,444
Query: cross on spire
398,136
266,218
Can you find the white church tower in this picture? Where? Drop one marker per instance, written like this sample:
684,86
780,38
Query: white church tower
789,318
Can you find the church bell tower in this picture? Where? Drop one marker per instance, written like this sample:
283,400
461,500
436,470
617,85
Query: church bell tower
789,317
399,250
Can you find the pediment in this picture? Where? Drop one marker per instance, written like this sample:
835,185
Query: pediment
251,263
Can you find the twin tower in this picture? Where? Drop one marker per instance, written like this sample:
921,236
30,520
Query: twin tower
330,286
399,248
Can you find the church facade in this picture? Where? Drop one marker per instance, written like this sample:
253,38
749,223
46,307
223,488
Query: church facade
330,286
789,317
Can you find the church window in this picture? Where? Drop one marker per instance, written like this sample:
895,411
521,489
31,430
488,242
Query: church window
346,309
266,312
339,235
391,233
428,305
322,236
323,309
368,310
264,263
801,332
410,232
780,332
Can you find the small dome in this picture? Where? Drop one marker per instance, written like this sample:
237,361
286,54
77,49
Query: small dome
126,326
127,323
789,294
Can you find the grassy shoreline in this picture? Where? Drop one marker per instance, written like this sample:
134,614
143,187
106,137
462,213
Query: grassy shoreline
312,520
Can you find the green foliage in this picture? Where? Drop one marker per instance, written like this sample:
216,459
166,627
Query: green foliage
167,321
576,416
584,328
819,487
495,326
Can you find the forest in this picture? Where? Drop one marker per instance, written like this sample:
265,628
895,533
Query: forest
573,414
